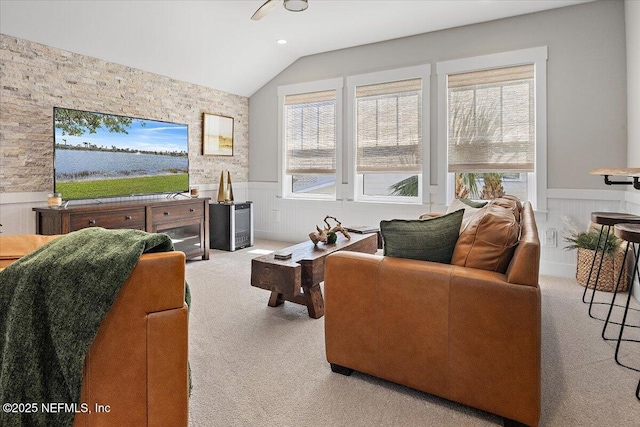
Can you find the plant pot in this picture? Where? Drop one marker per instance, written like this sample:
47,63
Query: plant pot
608,273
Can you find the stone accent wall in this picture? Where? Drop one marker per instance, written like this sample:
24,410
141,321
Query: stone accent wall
34,78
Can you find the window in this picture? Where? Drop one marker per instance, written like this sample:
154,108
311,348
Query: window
387,134
309,140
492,129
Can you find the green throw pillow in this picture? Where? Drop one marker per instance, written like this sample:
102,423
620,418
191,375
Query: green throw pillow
430,239
472,203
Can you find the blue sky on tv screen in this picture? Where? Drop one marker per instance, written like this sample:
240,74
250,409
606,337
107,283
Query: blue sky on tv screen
148,135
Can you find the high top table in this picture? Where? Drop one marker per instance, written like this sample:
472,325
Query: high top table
620,172
633,173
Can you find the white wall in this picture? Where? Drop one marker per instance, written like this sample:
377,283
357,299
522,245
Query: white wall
36,78
632,27
587,117
587,104
632,21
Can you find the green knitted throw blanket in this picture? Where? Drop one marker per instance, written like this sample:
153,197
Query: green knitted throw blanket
51,304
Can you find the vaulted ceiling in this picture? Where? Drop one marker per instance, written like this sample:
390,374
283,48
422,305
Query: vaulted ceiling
215,43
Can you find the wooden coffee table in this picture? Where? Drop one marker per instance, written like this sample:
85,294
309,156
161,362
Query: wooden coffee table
298,279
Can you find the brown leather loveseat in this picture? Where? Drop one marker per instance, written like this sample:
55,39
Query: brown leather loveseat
462,333
137,363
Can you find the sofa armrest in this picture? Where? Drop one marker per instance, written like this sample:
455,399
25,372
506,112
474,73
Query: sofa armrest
137,363
351,310
14,247
413,323
387,317
159,283
494,345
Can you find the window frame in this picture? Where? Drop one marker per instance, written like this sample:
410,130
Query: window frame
356,182
285,189
536,181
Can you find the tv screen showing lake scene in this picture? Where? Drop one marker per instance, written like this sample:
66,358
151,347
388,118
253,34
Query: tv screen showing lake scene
103,155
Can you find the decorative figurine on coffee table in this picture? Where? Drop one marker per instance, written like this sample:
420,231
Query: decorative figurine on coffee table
322,235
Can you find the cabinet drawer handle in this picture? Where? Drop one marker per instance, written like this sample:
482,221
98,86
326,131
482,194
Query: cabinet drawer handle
166,214
128,218
92,222
192,210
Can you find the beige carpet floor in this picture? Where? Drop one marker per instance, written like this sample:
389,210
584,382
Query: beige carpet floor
254,365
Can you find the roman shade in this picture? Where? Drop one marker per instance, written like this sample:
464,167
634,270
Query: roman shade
310,133
491,120
389,127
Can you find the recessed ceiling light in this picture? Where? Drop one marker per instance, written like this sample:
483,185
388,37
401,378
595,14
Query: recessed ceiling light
281,41
296,5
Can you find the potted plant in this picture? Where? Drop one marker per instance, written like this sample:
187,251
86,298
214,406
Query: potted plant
586,242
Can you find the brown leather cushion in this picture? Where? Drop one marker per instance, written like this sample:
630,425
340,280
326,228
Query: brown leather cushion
14,247
509,202
489,240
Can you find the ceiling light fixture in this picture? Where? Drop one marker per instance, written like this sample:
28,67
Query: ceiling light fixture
290,5
296,5
281,41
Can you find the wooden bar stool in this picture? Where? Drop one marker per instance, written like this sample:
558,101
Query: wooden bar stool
606,220
630,233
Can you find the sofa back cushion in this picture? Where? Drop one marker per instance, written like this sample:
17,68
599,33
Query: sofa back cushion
509,202
430,239
14,247
489,240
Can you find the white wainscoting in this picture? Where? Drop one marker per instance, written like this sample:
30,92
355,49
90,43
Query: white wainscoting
632,198
292,220
16,215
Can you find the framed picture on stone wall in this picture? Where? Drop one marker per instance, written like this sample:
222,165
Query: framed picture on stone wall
217,135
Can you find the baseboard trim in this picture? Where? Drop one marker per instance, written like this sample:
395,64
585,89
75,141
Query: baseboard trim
632,197
278,236
548,268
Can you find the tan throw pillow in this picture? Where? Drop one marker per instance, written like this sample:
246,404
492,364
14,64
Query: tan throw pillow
489,240
469,212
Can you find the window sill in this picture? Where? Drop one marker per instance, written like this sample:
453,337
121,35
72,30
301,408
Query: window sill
311,202
389,202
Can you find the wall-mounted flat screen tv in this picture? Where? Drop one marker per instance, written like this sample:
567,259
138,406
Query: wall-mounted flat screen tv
104,155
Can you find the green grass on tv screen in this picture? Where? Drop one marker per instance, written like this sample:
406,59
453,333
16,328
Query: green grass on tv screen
123,186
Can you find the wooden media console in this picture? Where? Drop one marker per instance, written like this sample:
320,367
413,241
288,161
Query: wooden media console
185,221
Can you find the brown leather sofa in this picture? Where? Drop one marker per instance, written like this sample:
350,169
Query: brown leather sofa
137,363
465,334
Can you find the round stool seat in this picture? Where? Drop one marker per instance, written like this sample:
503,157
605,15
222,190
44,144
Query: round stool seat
628,232
613,218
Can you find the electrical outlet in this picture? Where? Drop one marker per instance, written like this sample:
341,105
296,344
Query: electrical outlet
551,237
275,215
